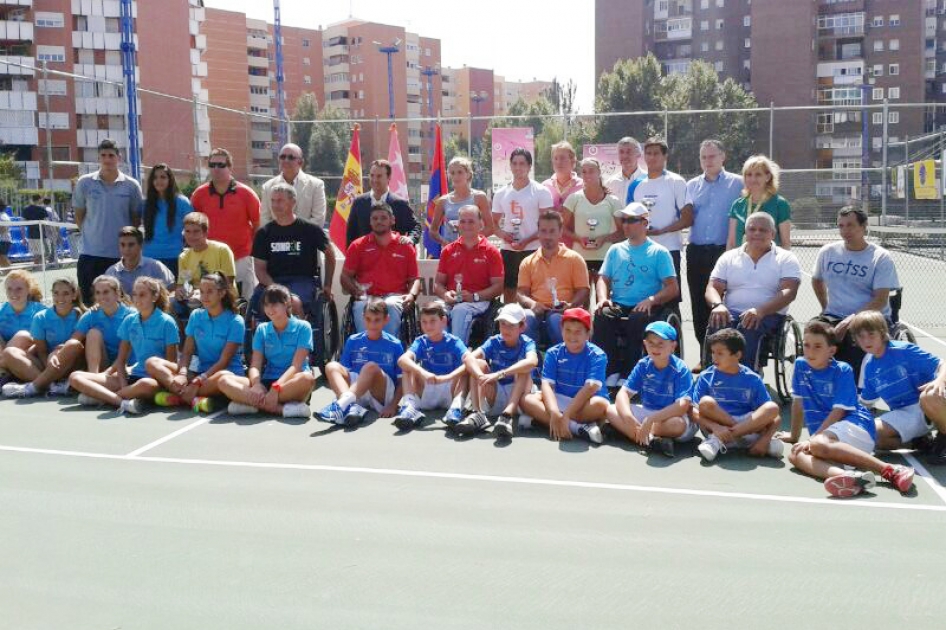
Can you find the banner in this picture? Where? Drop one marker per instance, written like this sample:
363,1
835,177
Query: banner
347,191
607,155
438,187
924,179
505,140
900,182
398,183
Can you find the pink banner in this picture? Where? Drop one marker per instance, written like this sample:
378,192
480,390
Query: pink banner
398,183
607,154
505,141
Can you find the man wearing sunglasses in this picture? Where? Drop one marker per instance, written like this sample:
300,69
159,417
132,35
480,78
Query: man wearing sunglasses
637,281
234,213
310,190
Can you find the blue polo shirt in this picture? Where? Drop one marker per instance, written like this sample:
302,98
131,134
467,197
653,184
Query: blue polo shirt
384,352
107,325
167,242
50,327
500,356
660,388
108,208
822,391
278,348
636,272
737,394
12,322
147,267
439,357
569,372
711,203
212,334
148,338
898,375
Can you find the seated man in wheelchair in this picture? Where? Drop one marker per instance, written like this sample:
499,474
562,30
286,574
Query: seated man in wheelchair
853,276
751,287
286,251
381,264
635,286
469,274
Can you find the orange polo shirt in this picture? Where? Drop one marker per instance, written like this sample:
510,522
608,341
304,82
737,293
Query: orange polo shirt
569,269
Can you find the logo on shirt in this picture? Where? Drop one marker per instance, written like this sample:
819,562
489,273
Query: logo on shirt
288,247
848,269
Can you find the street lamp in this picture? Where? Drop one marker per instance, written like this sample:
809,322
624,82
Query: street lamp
390,51
430,73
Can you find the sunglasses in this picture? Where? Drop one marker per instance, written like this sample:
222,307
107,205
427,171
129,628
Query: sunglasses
290,158
631,220
217,165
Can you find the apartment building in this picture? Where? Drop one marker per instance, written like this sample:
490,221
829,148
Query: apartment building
467,92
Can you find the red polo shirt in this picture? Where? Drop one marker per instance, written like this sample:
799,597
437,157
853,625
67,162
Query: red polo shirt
478,265
387,268
234,215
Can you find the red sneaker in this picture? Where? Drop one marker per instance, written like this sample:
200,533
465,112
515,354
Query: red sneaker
849,484
900,476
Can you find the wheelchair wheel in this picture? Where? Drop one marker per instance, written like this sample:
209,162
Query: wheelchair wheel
902,332
410,325
788,347
347,329
325,330
673,318
484,325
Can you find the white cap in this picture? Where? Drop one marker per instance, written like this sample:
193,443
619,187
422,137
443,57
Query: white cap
633,209
511,313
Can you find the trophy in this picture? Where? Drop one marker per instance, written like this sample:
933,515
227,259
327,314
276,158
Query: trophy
454,229
186,277
363,290
592,226
553,284
459,289
516,226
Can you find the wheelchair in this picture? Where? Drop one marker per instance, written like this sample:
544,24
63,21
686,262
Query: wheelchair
900,331
410,326
484,325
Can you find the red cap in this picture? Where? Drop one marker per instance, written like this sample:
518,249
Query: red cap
578,315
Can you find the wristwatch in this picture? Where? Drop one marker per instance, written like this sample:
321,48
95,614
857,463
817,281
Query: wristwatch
476,297
715,304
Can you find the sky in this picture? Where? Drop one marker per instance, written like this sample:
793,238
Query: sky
514,38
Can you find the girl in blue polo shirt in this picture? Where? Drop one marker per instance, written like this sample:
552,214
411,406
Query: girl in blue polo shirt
279,379
150,332
49,358
215,333
24,299
97,329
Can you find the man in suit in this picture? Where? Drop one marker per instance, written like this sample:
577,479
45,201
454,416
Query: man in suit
359,219
310,190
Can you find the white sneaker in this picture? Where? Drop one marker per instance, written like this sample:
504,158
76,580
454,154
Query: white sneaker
19,390
776,448
132,407
296,410
592,432
88,401
239,409
710,448
612,380
59,388
525,422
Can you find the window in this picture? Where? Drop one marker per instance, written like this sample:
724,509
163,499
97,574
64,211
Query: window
879,45
747,64
704,4
718,66
720,3
51,53
894,69
747,20
894,44
878,70
45,19
260,91
704,25
719,44
306,61
719,24
877,94
748,43
306,43
53,87
307,80
878,21
56,120
893,93
943,88
426,52
877,118
893,117
704,47
895,19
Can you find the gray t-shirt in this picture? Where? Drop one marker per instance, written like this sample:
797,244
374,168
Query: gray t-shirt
852,277
108,208
148,267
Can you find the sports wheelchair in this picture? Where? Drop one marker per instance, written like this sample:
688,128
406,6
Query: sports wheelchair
410,325
900,331
484,325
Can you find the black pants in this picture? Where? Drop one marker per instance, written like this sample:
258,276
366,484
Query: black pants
88,268
609,325
700,262
675,304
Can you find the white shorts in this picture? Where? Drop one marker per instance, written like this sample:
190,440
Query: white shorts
745,441
437,396
908,421
640,411
852,435
370,402
503,392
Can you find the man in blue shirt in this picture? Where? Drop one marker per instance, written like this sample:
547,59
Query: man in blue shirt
636,281
133,265
712,194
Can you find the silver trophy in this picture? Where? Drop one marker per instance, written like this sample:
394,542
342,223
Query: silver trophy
454,227
592,226
516,226
363,290
459,289
552,284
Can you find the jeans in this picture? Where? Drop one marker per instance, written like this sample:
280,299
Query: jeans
395,309
550,322
768,327
461,318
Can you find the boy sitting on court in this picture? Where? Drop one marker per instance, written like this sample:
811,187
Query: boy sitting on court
573,399
500,374
911,381
434,372
367,374
732,405
664,382
841,431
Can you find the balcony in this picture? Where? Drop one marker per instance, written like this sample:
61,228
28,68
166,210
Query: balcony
842,72
674,29
16,31
841,25
19,136
259,81
18,70
16,3
98,41
257,62
18,101
102,105
256,42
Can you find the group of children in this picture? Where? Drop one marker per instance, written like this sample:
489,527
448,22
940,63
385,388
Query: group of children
124,354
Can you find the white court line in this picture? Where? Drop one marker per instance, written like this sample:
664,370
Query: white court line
925,475
168,438
924,333
393,472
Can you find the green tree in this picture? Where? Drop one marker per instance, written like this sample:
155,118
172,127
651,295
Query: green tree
328,143
306,109
454,146
631,86
11,173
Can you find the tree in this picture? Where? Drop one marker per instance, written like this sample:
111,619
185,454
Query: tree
455,145
306,109
631,86
328,143
11,173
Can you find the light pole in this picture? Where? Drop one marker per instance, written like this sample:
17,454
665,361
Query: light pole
430,73
865,148
390,51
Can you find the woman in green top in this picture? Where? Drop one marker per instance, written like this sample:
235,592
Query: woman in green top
588,217
760,176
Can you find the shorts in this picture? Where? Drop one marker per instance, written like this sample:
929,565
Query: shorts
5,247
503,392
907,421
853,435
689,432
746,441
594,266
437,396
370,402
511,261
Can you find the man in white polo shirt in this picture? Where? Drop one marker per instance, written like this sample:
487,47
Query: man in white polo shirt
623,183
665,194
752,286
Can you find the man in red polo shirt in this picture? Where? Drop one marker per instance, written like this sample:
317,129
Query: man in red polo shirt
233,209
380,264
469,274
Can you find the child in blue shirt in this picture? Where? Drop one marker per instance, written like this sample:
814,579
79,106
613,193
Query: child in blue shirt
215,332
841,431
49,359
24,300
500,375
731,403
911,381
664,382
279,380
148,333
434,372
97,329
573,399
367,374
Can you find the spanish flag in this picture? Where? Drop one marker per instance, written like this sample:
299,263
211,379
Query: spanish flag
349,189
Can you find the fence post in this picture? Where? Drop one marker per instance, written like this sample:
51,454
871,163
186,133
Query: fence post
666,126
248,123
377,137
288,131
884,165
771,130
906,185
49,127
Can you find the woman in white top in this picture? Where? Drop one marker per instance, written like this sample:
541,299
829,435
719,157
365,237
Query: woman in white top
589,217
447,207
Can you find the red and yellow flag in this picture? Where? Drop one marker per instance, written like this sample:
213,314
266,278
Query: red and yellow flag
349,189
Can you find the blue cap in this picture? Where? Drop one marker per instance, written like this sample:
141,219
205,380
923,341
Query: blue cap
663,330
